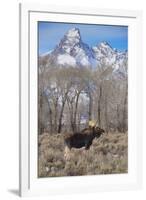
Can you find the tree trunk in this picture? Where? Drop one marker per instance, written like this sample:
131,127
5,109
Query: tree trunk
60,117
119,127
106,116
55,115
75,112
99,106
125,111
72,122
40,127
50,116
50,113
90,106
70,107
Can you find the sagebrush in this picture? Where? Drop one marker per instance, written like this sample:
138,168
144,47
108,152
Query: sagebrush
107,155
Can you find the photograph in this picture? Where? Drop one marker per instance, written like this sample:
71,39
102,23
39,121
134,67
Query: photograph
82,101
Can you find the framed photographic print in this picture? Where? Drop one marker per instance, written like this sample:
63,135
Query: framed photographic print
80,100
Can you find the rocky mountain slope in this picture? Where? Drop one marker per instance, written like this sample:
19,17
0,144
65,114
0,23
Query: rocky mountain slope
73,52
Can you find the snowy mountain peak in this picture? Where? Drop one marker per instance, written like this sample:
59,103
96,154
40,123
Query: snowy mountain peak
105,45
105,42
72,51
71,39
73,33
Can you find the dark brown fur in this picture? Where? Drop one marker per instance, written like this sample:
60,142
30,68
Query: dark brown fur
83,138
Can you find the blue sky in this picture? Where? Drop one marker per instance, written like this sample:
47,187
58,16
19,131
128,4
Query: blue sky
50,34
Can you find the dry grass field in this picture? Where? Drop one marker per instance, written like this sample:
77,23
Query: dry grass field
107,155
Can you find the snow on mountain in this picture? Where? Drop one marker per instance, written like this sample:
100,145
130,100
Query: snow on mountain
120,66
107,56
66,59
104,53
72,51
46,53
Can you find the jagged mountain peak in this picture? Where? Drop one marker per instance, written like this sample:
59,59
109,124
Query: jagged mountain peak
71,39
104,44
73,33
72,51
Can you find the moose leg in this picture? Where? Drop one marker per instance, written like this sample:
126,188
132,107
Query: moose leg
67,153
87,145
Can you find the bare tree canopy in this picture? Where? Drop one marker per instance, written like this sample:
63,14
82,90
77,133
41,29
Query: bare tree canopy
71,96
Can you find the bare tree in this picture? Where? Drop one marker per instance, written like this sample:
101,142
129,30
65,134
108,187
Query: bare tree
66,94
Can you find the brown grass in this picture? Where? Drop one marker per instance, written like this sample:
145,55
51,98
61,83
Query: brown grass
107,155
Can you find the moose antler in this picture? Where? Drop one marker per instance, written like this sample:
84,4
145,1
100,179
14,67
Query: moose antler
93,123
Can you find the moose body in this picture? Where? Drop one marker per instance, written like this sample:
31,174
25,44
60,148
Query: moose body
83,138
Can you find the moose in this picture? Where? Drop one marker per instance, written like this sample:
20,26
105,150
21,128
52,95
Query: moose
83,138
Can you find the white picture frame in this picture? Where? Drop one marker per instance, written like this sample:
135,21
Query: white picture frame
29,184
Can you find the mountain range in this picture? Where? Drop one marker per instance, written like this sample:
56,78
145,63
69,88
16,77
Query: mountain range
73,52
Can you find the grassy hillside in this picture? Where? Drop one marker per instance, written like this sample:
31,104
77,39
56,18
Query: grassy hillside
107,155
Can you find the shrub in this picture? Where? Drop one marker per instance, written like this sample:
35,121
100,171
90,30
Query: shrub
107,155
